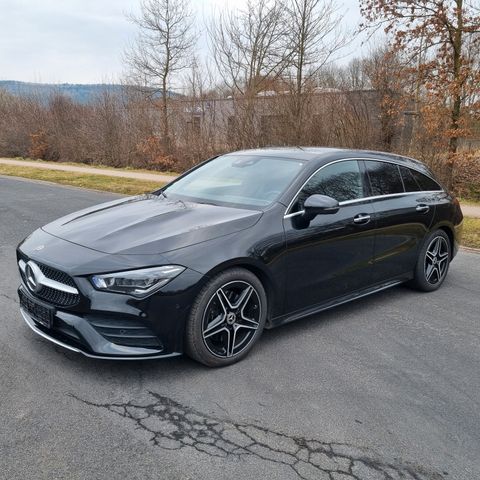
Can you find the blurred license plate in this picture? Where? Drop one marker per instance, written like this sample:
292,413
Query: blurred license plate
41,314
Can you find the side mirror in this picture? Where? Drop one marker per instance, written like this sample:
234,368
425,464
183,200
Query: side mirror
319,205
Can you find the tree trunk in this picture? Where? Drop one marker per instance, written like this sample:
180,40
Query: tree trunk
453,143
298,118
165,126
298,115
457,99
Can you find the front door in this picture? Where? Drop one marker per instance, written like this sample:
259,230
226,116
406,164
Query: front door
333,254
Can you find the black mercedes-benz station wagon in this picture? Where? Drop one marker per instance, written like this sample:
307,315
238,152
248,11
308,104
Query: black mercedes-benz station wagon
244,241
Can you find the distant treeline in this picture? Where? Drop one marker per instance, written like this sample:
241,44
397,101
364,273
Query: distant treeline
77,92
271,77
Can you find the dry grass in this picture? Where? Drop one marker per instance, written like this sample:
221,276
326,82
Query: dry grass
126,186
97,165
471,232
468,201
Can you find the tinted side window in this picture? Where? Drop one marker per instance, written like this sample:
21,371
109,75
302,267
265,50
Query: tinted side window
411,185
341,181
384,178
426,183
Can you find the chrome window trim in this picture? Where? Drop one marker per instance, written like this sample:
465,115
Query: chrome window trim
388,195
356,200
294,214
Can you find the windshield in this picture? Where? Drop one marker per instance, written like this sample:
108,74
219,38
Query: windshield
244,180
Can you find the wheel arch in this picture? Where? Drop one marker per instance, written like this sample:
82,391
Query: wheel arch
450,234
268,283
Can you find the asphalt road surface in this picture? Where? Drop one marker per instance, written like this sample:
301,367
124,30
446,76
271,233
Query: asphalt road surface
387,387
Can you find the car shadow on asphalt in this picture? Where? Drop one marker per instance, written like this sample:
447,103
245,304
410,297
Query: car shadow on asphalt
311,324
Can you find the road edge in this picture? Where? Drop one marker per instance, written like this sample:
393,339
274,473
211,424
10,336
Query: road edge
46,182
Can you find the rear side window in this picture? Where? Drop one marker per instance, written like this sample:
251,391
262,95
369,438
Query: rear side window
409,181
426,183
384,177
341,181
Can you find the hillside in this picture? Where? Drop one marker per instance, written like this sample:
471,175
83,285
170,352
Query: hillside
81,93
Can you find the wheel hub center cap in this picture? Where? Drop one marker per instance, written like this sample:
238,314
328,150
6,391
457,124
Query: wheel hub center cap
231,318
434,261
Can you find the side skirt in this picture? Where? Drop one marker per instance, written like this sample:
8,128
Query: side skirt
306,312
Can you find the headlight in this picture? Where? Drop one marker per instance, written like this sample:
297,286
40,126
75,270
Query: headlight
138,283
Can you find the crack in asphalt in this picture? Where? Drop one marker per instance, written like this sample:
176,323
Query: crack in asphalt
8,297
173,426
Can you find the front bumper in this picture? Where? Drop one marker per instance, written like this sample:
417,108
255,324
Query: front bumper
120,330
113,351
106,324
116,326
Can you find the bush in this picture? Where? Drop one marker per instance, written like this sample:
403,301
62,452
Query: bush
122,130
467,175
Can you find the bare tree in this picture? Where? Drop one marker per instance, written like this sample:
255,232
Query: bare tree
315,37
249,45
198,113
385,72
354,76
163,48
250,51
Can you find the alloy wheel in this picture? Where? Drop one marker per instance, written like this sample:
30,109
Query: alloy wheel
436,260
231,319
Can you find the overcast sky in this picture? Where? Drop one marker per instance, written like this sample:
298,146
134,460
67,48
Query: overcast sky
81,41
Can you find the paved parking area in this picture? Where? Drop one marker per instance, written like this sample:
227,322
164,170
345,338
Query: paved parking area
387,387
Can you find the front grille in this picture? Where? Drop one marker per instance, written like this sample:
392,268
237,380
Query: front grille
126,332
51,295
57,297
57,275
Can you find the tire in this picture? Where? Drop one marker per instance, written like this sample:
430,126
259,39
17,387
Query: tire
226,319
432,268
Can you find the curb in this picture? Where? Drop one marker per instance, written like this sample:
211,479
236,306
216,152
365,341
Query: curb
470,249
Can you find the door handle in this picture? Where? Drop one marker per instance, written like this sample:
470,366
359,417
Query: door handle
422,208
361,218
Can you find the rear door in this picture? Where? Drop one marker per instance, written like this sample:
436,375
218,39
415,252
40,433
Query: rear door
404,207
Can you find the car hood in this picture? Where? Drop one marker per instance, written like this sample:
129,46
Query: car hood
149,224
